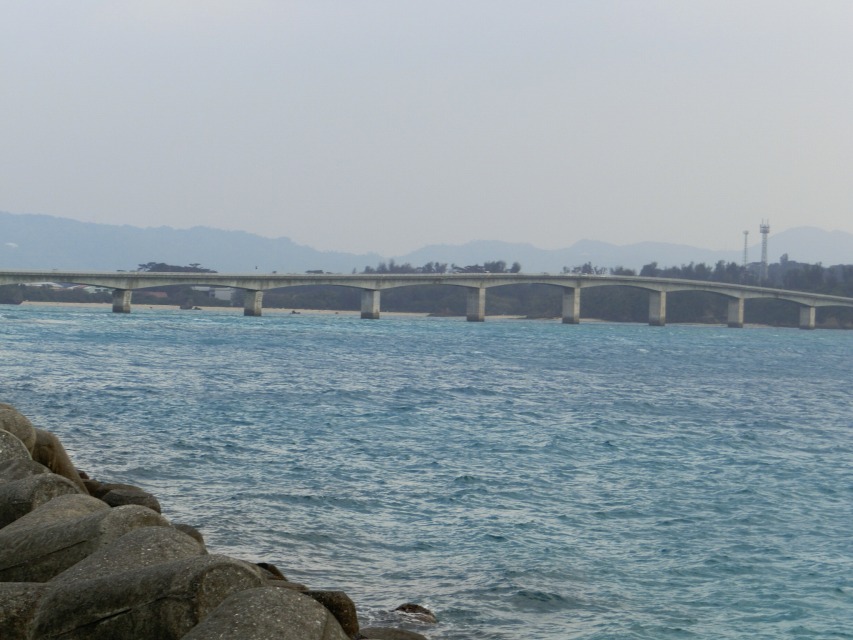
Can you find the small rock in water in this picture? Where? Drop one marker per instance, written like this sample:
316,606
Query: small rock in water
418,612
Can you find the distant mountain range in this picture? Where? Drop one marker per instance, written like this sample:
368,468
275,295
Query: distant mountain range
29,241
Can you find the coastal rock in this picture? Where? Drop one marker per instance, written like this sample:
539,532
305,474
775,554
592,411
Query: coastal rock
70,506
191,531
272,570
286,584
418,612
120,497
18,425
20,468
108,566
261,614
92,486
137,549
11,447
341,606
387,633
20,497
163,601
49,451
100,489
38,553
18,604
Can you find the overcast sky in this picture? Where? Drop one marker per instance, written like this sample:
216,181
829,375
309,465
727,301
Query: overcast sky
388,125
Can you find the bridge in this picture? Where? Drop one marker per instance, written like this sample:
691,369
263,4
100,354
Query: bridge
123,283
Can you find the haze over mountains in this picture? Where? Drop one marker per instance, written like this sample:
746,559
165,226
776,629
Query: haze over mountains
29,241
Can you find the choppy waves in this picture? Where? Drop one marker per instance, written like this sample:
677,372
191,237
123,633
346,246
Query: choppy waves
522,479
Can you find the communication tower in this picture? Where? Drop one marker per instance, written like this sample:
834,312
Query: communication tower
745,249
765,229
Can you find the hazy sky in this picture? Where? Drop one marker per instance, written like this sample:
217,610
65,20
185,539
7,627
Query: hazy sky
388,125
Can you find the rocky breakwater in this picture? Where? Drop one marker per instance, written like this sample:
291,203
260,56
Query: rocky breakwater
86,560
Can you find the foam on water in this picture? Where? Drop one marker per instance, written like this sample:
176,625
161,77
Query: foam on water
522,479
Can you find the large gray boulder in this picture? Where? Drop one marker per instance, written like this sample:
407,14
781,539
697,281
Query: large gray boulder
137,549
20,468
20,497
100,489
40,445
286,584
265,613
191,531
17,424
38,553
339,605
163,601
119,497
116,494
70,506
18,604
11,447
49,451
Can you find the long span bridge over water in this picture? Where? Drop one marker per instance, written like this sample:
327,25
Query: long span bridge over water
123,283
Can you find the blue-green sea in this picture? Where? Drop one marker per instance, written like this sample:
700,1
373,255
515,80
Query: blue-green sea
522,479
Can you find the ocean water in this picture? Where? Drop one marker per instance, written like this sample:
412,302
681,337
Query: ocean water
522,479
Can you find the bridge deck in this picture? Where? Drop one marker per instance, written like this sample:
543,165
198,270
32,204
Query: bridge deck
123,283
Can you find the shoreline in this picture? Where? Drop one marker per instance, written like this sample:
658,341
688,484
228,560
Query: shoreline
145,574
215,309
267,311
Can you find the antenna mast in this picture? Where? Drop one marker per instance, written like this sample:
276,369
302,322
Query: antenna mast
745,249
765,229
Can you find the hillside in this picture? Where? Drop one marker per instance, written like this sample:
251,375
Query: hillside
29,241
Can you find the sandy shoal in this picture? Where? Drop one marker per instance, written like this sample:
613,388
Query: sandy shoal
239,310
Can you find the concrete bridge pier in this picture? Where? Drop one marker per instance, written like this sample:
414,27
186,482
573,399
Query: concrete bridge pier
807,317
571,305
253,303
735,320
476,311
121,300
657,308
369,304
